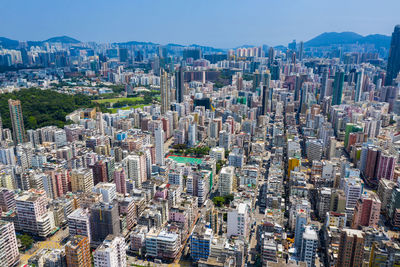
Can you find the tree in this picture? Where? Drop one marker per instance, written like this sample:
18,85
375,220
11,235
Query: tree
228,199
26,241
218,201
44,107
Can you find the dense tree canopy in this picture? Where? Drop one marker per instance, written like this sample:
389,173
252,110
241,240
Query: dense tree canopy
43,107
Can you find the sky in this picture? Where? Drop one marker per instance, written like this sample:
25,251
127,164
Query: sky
218,23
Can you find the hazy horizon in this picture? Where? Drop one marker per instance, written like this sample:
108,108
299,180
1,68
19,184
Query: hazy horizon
221,24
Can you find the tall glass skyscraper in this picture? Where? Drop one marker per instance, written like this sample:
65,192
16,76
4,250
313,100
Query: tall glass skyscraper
393,67
164,88
338,88
180,85
17,121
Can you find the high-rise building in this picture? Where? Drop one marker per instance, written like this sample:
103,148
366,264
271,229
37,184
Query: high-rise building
265,95
351,248
104,220
162,244
393,66
165,91
123,54
324,83
111,253
367,211
225,186
200,242
301,222
17,121
32,213
120,180
77,252
108,191
79,223
385,190
180,84
238,221
133,169
309,246
385,165
338,88
271,54
314,148
353,188
7,199
82,180
9,254
301,50
359,85
159,141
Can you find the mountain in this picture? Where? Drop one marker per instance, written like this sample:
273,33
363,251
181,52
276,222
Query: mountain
8,43
343,38
62,39
378,40
330,38
136,43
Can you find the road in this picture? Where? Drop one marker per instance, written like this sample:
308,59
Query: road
51,243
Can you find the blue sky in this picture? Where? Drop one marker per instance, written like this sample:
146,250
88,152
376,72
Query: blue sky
219,23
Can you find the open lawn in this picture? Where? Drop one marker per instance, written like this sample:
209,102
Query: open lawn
119,99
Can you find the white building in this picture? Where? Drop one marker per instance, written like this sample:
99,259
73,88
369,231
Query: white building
33,216
7,156
108,190
225,186
217,153
314,149
238,221
159,141
9,253
309,246
79,223
192,135
133,169
353,190
111,253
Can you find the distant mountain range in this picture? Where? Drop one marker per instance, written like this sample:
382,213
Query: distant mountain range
345,38
12,44
322,40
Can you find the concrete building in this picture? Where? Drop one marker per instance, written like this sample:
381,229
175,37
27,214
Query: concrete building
385,189
104,221
200,242
111,253
162,244
367,211
120,180
225,186
108,190
33,216
159,145
17,121
314,149
351,248
79,223
77,252
309,246
133,169
218,153
238,221
82,180
9,254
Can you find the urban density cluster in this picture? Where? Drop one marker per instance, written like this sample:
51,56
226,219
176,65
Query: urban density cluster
195,156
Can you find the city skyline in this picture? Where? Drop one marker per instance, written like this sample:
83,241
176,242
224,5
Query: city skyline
257,23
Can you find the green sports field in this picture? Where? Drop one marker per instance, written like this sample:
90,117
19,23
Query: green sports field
186,160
